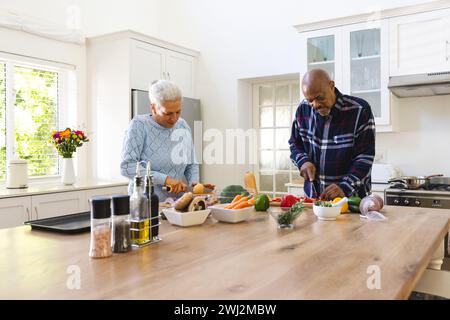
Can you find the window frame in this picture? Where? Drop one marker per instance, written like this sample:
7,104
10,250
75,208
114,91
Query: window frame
10,61
256,125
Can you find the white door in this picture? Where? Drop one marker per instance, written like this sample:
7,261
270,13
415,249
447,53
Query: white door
103,192
322,49
147,64
180,70
366,66
58,204
420,43
14,211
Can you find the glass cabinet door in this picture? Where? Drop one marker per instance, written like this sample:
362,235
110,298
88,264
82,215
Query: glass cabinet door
321,54
365,67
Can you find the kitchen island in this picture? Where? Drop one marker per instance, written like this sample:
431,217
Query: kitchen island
350,258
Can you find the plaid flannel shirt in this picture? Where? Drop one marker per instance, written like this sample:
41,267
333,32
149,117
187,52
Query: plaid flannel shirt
340,145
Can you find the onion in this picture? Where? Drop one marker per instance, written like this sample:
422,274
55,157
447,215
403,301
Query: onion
370,207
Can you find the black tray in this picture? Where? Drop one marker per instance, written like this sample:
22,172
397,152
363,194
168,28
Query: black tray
69,224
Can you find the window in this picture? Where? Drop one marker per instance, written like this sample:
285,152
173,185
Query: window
275,104
29,111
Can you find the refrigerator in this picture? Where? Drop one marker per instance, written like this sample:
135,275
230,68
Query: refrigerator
191,113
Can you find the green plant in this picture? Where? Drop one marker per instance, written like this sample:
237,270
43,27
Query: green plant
290,215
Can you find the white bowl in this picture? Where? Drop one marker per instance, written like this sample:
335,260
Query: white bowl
186,219
230,215
326,213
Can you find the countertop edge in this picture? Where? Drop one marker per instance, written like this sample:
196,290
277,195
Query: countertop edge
40,189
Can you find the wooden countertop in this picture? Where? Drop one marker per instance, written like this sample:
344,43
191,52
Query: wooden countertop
249,260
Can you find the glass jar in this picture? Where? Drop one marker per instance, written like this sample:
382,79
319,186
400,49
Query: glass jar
121,236
100,227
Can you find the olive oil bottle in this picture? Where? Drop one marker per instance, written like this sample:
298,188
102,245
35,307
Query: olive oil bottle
153,204
139,212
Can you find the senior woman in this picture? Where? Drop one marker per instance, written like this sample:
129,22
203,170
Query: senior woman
163,138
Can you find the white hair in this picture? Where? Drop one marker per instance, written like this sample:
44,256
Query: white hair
162,91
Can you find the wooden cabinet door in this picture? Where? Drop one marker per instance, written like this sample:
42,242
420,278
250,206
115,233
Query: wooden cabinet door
180,70
58,204
14,211
147,64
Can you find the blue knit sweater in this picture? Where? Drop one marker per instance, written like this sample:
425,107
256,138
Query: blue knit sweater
171,152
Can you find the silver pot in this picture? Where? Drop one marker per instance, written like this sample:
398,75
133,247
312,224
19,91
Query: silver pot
414,182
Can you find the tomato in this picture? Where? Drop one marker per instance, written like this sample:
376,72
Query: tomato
309,200
289,200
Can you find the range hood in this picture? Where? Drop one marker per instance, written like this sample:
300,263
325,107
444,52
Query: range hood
420,85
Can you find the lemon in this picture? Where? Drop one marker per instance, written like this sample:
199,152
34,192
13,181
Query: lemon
344,207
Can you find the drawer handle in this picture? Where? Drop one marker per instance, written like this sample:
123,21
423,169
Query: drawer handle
28,214
37,215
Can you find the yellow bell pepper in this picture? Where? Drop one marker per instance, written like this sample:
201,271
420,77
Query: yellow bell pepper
344,208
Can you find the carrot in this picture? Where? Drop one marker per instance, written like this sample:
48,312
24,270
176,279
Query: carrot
233,205
241,205
237,198
252,201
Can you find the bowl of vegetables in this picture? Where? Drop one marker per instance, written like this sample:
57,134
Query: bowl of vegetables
286,216
325,210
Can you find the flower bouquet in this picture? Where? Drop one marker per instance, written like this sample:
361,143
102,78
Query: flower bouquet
66,143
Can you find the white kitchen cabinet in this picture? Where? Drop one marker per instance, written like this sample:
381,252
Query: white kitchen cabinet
150,63
366,66
104,192
420,43
180,69
58,204
14,211
356,57
147,64
323,50
117,64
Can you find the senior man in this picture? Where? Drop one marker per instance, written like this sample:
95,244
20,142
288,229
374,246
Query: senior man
332,140
163,138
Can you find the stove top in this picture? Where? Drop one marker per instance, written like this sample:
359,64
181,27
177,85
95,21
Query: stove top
437,198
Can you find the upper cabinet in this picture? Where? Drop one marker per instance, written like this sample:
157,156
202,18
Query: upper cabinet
118,63
420,43
356,58
150,62
323,50
366,67
361,52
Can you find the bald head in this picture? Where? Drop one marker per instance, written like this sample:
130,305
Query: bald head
318,89
315,77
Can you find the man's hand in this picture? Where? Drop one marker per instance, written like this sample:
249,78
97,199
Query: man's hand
308,171
176,186
331,192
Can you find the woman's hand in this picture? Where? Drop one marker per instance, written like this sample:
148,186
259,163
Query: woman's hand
176,186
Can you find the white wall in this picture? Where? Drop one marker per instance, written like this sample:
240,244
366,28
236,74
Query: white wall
422,144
